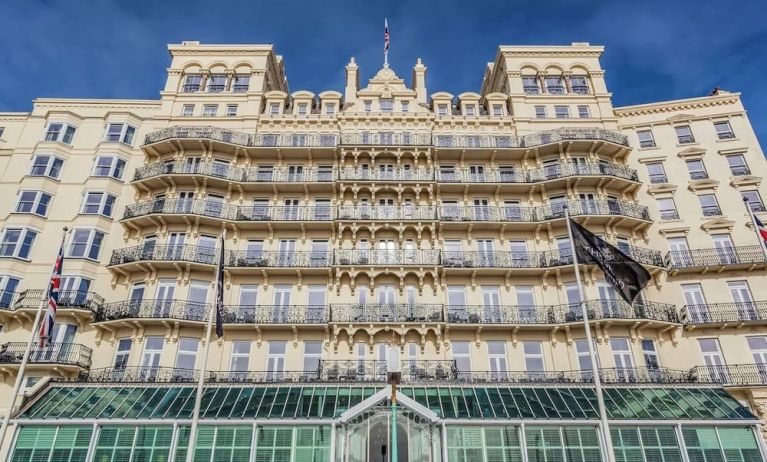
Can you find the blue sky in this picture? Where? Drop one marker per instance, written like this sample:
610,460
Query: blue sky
655,50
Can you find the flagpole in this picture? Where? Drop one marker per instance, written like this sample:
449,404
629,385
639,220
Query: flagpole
28,349
386,45
201,379
759,238
606,437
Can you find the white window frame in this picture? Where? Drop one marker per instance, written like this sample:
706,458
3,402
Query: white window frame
311,357
584,112
65,134
738,169
185,352
386,104
89,243
209,110
36,203
238,355
561,111
114,172
722,134
19,243
405,106
531,356
667,200
187,110
274,108
648,141
497,110
540,112
231,110
122,352
330,108
275,361
125,135
104,200
460,356
680,136
49,165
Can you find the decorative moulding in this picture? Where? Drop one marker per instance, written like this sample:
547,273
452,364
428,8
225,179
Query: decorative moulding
746,180
717,224
647,160
678,230
691,153
726,152
708,183
662,188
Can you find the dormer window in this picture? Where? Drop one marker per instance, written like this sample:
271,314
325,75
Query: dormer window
497,110
217,83
241,83
274,108
554,85
192,83
470,110
579,85
442,109
405,106
60,132
530,85
302,109
368,105
387,105
330,108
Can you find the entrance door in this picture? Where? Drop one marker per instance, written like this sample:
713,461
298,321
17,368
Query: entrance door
368,437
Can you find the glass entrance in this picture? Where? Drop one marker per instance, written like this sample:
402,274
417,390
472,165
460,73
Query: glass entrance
368,437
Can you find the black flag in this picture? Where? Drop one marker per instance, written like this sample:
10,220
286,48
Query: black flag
622,272
220,291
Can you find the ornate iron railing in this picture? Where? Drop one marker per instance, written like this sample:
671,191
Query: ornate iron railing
279,259
387,212
536,175
405,257
275,314
506,213
72,354
615,309
154,308
715,257
72,299
296,140
500,314
140,375
185,253
243,139
500,259
216,209
476,141
710,313
376,173
734,374
573,134
237,174
593,207
194,311
386,312
375,370
386,139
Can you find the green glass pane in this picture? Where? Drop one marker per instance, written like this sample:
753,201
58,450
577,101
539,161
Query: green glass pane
516,402
566,396
447,403
79,400
132,412
291,404
309,405
174,408
240,406
55,411
151,405
432,397
532,400
127,403
698,398
110,407
342,402
460,404
40,408
503,407
97,397
188,408
266,403
355,397
329,407
483,403
545,401
279,402
251,410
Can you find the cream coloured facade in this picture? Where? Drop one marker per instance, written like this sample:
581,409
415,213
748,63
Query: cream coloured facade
383,215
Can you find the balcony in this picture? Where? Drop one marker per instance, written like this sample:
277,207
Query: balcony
375,370
278,259
387,213
732,375
379,174
218,210
393,257
582,169
164,253
68,299
64,354
241,139
386,312
573,134
386,139
633,375
476,141
227,172
506,260
275,314
487,213
610,207
723,313
723,258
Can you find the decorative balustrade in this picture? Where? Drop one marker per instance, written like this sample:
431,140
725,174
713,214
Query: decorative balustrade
386,139
71,299
176,253
387,212
140,375
71,354
593,207
476,141
733,375
380,173
315,140
215,209
714,313
378,257
386,312
573,134
275,314
279,259
506,213
262,174
375,370
154,308
244,139
500,259
723,256
472,175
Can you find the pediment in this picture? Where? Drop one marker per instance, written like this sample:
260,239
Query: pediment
708,183
691,152
386,83
746,180
717,223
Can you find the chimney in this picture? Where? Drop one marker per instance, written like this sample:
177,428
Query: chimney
419,82
352,81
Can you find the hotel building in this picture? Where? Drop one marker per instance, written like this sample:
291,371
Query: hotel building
382,216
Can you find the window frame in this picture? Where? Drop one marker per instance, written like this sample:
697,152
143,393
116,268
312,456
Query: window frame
115,161
36,202
206,110
738,170
646,143
104,202
238,86
708,209
231,110
19,244
192,87
724,135
126,134
696,174
656,176
684,138
49,166
759,203
211,87
89,244
540,111
660,200
561,115
584,112
187,110
65,134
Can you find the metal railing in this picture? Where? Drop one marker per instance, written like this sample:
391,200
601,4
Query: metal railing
607,375
710,313
244,139
184,253
275,314
216,209
154,308
735,374
72,299
386,139
506,213
500,259
386,312
229,172
279,259
476,141
56,353
574,134
375,370
375,173
405,257
387,212
582,169
715,257
516,213
141,374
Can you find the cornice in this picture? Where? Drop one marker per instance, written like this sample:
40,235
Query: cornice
678,105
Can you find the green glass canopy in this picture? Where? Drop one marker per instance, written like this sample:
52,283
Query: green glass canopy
63,401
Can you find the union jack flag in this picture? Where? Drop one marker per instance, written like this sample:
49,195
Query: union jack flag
46,327
386,35
760,228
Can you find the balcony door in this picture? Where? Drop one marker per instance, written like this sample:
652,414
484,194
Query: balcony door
150,359
679,251
319,255
551,169
696,303
59,347
496,351
491,304
148,247
386,209
519,256
481,209
512,211
214,205
477,173
744,302
316,301
387,308
166,288
712,358
387,251
526,304
260,210
758,346
296,174
282,302
185,202
608,301
175,247
206,249
724,248
197,300
192,165
456,304
386,172
74,291
588,202
485,257
287,252
624,361
275,359
290,210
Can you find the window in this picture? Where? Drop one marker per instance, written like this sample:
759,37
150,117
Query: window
312,356
241,83
712,354
275,358
738,166
684,134
120,133
302,109
274,108
540,112
583,112
8,286
109,166
621,353
35,202
231,110
533,352
679,251
187,110
583,355
758,347
387,105
192,83
442,109
562,112
60,132
497,110
579,84
724,130
753,200
667,209
656,172
210,110
240,356
646,139
496,351
696,169
708,205
461,355
368,105
330,108
650,355
98,203
123,353
186,357
2,129
86,243
470,110
530,85
216,83
46,165
405,106
554,85
17,242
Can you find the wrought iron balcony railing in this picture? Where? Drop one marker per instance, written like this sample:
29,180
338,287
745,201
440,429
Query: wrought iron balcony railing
714,313
68,299
279,259
476,141
386,139
582,169
607,375
379,173
733,375
377,257
215,209
499,259
70,354
140,375
263,174
723,256
180,253
386,312
506,213
593,207
375,370
275,314
243,139
387,212
154,308
574,134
